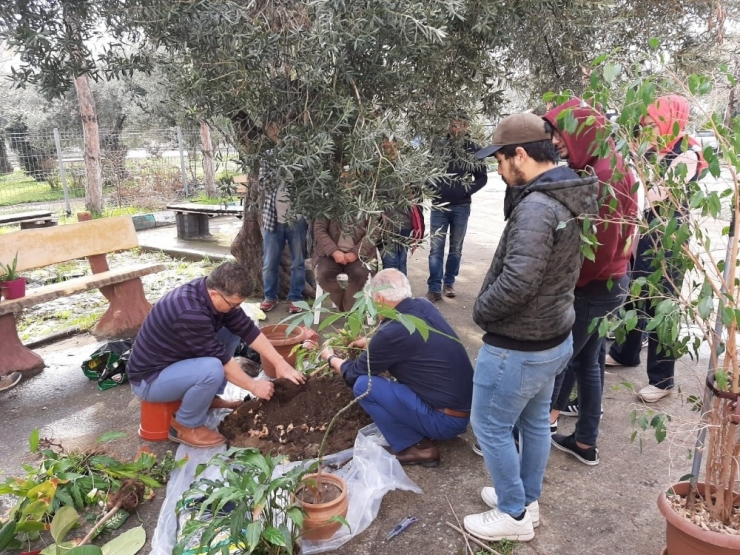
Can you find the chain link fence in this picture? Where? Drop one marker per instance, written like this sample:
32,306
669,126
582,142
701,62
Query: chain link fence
141,169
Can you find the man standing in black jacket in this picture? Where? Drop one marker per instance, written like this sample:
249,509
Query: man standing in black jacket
525,308
451,208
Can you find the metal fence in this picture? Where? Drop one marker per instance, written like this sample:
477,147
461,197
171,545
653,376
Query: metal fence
142,169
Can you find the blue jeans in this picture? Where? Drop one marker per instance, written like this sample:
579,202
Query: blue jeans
454,218
514,388
394,254
584,367
273,245
195,380
402,417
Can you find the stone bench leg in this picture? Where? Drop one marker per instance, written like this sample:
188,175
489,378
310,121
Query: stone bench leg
192,226
15,357
127,310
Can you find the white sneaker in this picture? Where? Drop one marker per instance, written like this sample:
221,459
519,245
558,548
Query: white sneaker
609,361
488,494
651,394
495,526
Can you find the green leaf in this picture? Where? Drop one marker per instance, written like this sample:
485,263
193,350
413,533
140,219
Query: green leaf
63,521
110,436
611,72
654,43
85,550
128,543
273,536
561,225
254,531
33,441
705,307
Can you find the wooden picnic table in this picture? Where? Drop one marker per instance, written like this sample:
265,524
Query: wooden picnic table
29,220
193,219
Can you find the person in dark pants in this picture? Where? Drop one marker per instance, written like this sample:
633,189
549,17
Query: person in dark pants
666,115
602,282
431,393
451,208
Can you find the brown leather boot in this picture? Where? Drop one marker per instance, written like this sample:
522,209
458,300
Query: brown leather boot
221,403
424,453
200,437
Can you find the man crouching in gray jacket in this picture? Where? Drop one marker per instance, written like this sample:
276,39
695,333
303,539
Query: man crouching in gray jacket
525,308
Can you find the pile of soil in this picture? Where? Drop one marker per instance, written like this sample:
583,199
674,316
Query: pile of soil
293,422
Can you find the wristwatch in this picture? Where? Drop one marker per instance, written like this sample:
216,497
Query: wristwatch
329,360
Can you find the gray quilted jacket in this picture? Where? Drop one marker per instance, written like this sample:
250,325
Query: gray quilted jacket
527,295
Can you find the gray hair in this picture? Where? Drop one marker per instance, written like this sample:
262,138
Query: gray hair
393,285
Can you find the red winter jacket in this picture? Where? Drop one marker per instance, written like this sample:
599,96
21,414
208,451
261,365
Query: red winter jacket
613,230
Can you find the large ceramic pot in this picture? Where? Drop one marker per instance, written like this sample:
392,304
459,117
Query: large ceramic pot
14,289
316,525
686,538
283,344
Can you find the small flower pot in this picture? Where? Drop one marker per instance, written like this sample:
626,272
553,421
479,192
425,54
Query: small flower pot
14,289
686,538
284,345
316,524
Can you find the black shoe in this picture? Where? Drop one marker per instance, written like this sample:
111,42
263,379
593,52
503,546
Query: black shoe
434,297
424,453
567,444
571,409
477,450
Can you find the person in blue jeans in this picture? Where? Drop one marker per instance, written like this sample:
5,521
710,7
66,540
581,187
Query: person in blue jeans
451,208
185,351
280,225
525,308
429,399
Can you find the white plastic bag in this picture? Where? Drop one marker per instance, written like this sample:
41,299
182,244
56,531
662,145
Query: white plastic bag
372,472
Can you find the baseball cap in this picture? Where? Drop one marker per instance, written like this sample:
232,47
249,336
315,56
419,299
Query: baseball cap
516,129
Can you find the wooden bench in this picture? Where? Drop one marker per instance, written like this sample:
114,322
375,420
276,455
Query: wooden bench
93,239
241,187
193,219
29,220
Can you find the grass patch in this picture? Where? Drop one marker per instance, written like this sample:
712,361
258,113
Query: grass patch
19,188
504,547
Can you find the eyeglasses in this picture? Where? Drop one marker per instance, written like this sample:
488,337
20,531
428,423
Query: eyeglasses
233,306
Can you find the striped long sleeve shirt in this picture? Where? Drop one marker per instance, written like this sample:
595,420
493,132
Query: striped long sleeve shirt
183,325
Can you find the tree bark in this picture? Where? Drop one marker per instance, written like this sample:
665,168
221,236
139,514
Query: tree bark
5,166
208,173
247,245
91,134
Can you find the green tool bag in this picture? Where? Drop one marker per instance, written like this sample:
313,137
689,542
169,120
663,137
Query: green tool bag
107,364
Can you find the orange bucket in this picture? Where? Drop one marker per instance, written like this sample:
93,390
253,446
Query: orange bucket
155,419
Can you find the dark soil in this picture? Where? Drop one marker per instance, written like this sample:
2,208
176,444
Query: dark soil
326,492
293,422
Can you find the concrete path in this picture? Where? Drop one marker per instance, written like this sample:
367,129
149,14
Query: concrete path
609,508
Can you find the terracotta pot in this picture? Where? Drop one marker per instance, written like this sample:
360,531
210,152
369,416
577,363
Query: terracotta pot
283,345
686,538
315,525
15,289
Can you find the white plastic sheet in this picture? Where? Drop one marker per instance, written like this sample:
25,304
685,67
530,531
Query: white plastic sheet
370,475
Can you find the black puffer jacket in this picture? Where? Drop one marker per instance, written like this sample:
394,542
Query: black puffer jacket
526,302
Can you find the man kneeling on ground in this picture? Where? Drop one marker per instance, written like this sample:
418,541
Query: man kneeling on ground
431,397
185,350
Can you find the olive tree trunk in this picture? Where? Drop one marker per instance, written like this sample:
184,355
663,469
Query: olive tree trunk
91,134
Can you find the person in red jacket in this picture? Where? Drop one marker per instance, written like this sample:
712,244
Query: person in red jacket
603,281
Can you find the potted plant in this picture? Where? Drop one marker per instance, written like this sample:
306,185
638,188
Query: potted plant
247,508
695,236
12,286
